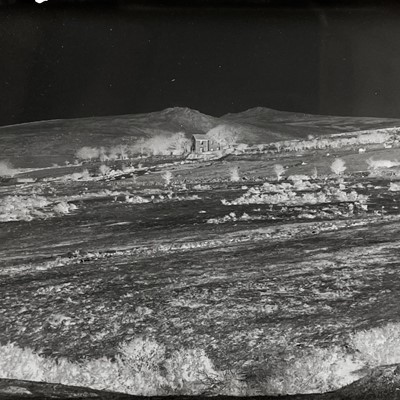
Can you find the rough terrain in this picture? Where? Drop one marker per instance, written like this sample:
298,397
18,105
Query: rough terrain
254,270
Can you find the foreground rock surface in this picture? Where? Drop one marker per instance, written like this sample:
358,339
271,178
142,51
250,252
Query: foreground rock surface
380,383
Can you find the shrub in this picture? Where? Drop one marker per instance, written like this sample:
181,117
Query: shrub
135,199
103,155
167,176
241,147
201,187
298,178
314,173
142,367
22,208
188,369
64,208
279,170
76,176
27,208
394,187
234,174
104,169
316,370
6,170
378,346
376,164
338,166
287,193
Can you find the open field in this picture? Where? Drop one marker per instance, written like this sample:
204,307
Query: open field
271,279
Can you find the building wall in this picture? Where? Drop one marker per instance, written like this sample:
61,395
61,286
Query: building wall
201,145
214,146
204,145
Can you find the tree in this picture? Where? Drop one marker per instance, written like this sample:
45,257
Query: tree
103,155
180,144
6,169
87,153
167,176
104,169
338,166
279,171
158,145
234,174
119,151
138,147
224,135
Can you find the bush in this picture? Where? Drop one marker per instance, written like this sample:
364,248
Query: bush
298,178
103,155
337,140
104,169
76,176
135,199
241,147
338,166
287,193
142,367
22,208
27,208
316,370
378,346
64,208
314,173
376,164
145,367
279,170
167,176
234,174
394,187
6,170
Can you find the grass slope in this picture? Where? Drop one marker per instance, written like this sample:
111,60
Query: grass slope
288,125
43,143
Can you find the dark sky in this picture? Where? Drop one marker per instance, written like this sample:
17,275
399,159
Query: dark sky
76,59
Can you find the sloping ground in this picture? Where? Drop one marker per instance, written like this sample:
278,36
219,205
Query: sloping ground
43,143
382,383
249,293
298,125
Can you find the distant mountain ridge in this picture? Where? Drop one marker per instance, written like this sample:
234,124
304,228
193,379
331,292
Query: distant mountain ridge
47,142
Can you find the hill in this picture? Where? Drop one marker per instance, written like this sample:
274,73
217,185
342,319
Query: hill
287,125
39,144
43,143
